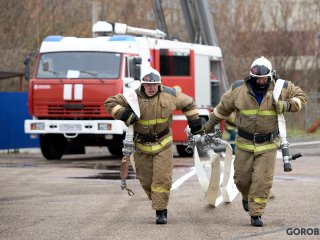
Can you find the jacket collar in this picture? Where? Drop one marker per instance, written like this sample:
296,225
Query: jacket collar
142,94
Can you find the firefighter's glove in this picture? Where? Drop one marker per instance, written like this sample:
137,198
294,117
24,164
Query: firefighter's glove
195,126
197,130
129,117
209,126
282,106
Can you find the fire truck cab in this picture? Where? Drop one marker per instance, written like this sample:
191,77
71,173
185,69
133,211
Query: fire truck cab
74,76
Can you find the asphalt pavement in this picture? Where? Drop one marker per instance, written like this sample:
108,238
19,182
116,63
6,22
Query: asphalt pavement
79,197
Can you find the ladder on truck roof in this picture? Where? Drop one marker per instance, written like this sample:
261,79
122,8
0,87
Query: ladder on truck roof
197,18
160,20
198,21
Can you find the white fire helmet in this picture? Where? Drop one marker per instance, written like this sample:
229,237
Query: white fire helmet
150,75
261,67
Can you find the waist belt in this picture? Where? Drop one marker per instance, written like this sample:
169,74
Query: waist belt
152,137
258,138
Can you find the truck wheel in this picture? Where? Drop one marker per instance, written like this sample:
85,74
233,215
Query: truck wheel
117,144
52,146
182,152
116,151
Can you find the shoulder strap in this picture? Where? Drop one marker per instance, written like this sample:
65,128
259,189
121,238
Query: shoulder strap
237,83
171,91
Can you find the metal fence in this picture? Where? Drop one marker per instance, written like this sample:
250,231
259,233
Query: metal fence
13,112
312,109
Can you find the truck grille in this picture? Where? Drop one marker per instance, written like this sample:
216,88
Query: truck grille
84,110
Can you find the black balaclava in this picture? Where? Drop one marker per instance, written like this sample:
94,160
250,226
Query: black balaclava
259,88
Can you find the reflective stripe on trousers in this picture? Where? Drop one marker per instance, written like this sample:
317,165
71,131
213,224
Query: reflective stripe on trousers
253,177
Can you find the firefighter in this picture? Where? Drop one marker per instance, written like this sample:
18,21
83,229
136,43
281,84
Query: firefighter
153,154
257,140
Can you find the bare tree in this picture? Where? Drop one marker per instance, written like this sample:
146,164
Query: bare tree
24,24
282,30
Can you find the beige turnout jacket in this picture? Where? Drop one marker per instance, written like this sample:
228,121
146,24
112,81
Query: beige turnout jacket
156,114
255,118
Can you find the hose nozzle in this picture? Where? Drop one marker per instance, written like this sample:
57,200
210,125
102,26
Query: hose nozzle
287,158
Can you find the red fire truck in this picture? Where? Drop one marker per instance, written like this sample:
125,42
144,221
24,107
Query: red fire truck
74,76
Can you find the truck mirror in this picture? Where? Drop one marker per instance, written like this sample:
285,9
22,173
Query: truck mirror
137,60
26,62
137,72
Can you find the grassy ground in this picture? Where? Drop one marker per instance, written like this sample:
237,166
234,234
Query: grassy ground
296,135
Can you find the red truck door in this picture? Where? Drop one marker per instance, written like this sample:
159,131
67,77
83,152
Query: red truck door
177,71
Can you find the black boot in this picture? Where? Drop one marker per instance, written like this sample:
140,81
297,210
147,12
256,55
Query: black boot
256,221
161,216
245,205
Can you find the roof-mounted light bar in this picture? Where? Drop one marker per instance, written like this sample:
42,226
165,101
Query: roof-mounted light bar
103,28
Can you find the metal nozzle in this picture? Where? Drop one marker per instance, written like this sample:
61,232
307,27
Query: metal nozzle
287,167
189,150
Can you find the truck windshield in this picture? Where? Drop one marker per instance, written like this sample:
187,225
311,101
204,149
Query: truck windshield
91,65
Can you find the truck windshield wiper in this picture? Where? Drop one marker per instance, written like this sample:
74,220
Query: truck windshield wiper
89,73
54,72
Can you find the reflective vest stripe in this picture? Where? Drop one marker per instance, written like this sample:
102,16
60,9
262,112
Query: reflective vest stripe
258,112
158,189
253,148
249,112
152,122
260,200
267,113
156,147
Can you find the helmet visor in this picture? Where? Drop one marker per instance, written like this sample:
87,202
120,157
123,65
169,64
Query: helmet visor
151,78
260,70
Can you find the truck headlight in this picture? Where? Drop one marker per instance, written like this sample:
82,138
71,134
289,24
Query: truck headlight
37,126
104,126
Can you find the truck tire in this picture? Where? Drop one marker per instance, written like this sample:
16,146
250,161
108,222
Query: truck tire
117,144
182,152
52,146
116,151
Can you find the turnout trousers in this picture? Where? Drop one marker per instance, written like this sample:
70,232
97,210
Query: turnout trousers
154,172
253,177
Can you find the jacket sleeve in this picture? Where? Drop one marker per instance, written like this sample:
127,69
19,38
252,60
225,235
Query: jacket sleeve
116,105
187,105
224,109
295,97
